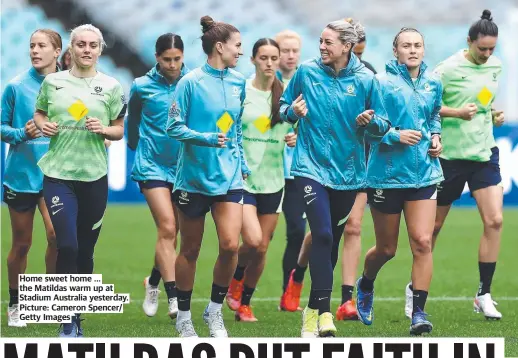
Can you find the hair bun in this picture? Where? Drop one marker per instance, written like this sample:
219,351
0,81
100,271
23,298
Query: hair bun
486,15
206,23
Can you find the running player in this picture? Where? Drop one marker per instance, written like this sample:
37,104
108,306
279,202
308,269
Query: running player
78,109
206,112
328,133
413,97
23,180
470,79
264,141
155,161
292,205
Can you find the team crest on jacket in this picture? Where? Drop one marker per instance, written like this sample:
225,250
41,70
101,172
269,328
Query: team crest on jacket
427,87
350,90
174,111
236,91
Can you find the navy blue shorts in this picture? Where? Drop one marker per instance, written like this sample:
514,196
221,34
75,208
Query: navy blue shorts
21,202
151,184
195,205
392,201
265,203
458,172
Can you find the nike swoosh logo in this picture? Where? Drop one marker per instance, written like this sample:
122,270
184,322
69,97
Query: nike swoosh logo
309,202
378,201
153,95
182,202
322,298
464,77
11,197
316,83
396,89
57,211
58,88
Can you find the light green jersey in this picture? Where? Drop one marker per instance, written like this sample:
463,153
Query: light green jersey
465,82
263,145
75,153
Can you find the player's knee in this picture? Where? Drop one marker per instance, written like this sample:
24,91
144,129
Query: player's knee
21,249
322,236
422,244
353,228
389,252
228,247
494,222
190,253
167,230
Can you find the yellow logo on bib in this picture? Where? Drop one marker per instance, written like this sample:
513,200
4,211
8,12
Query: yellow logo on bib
262,123
225,122
484,96
78,110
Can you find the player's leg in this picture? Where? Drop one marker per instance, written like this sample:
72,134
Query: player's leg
158,197
251,234
268,208
351,253
291,298
51,253
191,209
62,203
21,213
420,209
386,207
227,212
293,209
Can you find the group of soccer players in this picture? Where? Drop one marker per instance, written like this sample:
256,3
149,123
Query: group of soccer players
290,138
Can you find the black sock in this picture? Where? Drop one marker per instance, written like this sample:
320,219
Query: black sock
184,300
411,287
240,273
170,289
247,295
298,275
419,300
218,293
320,300
486,270
13,297
154,278
347,293
366,284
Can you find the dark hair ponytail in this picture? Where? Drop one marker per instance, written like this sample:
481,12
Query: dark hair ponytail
485,27
277,86
168,41
214,32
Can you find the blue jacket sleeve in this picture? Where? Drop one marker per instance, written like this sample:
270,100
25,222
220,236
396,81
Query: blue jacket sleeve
290,94
10,134
435,118
134,116
380,123
244,165
177,127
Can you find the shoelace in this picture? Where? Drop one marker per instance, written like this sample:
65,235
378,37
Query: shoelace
367,299
187,328
153,294
216,321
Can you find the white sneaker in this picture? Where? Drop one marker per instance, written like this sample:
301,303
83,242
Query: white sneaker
185,328
150,304
409,301
13,317
309,323
173,308
486,305
215,322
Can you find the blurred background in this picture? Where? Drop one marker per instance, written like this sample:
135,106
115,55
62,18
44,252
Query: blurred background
130,28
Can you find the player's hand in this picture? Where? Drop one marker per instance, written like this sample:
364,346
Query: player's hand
409,136
245,176
31,130
222,140
436,146
498,117
299,107
364,118
468,111
94,125
107,143
290,139
49,129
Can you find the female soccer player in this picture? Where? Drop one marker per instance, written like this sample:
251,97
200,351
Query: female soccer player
413,100
325,96
78,109
206,112
292,204
23,180
155,161
470,80
264,140
66,60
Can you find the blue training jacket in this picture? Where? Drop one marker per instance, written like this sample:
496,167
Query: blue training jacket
22,173
208,101
157,153
330,145
410,105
